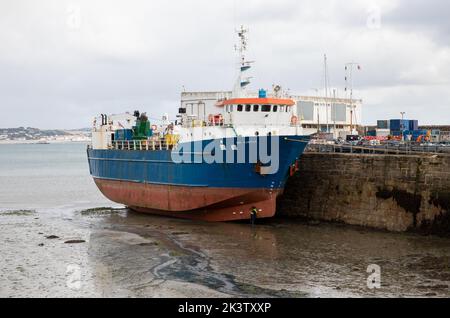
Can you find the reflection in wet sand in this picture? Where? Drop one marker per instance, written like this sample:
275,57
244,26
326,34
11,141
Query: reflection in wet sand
156,254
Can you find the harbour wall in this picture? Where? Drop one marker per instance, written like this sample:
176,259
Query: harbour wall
388,192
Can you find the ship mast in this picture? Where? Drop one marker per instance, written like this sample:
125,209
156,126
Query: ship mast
242,82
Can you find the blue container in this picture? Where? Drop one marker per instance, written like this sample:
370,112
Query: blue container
417,133
262,93
399,124
396,133
413,125
383,124
372,133
395,124
123,134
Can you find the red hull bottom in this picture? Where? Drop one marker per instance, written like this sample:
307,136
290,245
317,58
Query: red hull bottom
198,203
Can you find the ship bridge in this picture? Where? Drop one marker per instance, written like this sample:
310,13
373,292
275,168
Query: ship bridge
248,111
257,111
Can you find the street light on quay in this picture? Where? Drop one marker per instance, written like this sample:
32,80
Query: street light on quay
402,125
317,107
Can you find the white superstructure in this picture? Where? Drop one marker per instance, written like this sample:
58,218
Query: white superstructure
314,113
104,126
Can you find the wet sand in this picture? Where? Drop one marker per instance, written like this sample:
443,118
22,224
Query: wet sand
119,253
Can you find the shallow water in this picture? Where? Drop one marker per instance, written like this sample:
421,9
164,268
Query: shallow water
46,176
46,190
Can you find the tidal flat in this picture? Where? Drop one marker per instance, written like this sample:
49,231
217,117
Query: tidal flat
115,252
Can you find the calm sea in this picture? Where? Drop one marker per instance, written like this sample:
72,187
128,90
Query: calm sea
36,176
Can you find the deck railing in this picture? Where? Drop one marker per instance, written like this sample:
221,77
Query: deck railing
190,123
160,144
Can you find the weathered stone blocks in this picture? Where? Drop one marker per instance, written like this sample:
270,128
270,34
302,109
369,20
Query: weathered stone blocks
391,192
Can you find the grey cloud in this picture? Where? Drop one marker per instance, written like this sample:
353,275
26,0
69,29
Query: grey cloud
422,16
127,55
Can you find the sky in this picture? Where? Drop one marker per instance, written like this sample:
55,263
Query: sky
62,62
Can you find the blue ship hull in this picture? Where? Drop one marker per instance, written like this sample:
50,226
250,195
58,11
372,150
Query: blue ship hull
152,181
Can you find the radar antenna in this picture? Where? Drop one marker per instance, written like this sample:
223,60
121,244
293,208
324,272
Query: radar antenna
244,65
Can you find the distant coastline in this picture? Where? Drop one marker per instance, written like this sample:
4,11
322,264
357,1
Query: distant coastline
39,142
29,135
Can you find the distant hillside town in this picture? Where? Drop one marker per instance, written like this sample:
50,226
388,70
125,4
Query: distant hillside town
35,135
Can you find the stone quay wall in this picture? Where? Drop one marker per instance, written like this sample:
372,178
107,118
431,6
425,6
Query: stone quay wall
389,192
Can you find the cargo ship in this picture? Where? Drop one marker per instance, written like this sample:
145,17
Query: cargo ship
218,163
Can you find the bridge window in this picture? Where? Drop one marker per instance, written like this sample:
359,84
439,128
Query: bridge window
248,108
282,109
275,108
231,108
265,108
240,108
255,108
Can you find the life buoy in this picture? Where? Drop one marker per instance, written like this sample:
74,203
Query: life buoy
215,119
294,120
219,119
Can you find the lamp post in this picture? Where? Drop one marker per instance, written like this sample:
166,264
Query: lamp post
349,81
402,126
333,105
318,109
